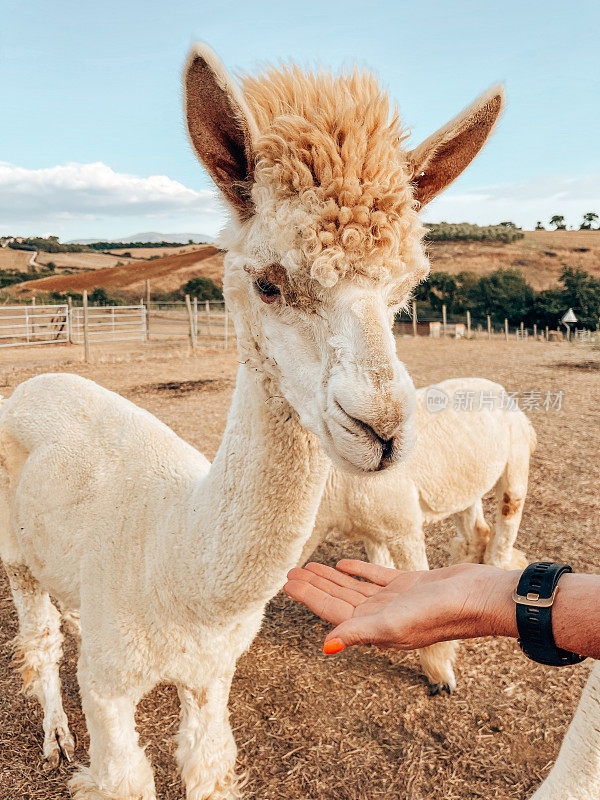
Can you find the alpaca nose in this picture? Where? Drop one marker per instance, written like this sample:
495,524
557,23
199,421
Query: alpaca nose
382,423
382,431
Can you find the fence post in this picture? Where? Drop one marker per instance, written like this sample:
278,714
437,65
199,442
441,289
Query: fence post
226,325
506,329
188,305
444,320
70,317
414,317
147,308
195,306
522,332
534,332
546,333
86,340
207,307
468,324
489,326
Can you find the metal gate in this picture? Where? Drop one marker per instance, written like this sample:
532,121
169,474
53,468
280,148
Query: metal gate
109,323
23,325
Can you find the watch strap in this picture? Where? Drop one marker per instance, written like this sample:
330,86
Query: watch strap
534,598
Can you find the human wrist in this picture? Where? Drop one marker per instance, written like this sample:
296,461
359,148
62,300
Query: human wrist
497,615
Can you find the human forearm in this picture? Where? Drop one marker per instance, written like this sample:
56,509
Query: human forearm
413,610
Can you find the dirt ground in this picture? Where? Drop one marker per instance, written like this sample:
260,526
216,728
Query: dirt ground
360,725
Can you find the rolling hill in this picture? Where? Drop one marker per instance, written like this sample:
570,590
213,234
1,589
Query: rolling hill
166,274
540,255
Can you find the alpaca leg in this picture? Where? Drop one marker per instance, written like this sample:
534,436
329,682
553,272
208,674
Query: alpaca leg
473,534
379,553
408,553
576,773
510,498
118,769
206,748
38,650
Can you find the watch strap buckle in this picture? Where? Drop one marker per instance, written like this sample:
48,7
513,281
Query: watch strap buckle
533,599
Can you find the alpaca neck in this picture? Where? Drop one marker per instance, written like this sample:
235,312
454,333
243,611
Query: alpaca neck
261,497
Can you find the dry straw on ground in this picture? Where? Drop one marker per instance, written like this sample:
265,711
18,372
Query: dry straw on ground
361,725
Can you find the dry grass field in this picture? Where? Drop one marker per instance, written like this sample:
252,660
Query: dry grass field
142,253
166,274
361,725
14,259
541,256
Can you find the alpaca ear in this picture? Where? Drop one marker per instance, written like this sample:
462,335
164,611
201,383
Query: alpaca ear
443,156
220,126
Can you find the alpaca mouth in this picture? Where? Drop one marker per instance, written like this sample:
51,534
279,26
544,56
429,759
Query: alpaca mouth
358,446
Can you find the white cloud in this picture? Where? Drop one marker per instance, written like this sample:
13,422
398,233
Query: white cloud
92,199
75,192
524,202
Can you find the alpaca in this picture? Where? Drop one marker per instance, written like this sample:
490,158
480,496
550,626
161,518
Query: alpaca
576,773
458,457
169,560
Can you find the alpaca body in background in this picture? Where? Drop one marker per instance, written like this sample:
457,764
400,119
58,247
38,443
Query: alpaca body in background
474,444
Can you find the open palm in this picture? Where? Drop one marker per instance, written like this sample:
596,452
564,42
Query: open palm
402,610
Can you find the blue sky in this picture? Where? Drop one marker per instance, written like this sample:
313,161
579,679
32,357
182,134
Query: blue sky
92,141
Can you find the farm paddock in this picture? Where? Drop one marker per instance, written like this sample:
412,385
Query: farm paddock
359,725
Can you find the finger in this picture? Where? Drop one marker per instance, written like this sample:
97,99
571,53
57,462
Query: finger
339,578
351,596
329,608
333,582
352,632
372,572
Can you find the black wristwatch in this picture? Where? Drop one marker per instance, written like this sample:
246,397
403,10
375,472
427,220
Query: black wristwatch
534,597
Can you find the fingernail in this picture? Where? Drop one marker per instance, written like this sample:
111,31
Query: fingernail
333,646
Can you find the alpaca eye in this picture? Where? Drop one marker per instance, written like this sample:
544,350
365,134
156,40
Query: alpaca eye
267,291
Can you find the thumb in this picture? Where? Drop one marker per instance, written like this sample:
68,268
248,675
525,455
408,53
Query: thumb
352,632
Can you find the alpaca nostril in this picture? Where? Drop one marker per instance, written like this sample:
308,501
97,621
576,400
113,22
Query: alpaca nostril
387,445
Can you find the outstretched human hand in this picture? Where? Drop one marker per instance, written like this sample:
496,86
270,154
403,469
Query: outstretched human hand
405,610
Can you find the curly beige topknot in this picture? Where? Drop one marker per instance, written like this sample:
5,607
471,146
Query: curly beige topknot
330,144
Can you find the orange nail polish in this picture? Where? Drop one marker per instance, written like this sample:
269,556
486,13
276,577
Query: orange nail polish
333,646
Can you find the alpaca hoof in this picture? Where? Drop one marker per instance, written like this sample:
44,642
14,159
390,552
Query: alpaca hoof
58,743
438,688
437,662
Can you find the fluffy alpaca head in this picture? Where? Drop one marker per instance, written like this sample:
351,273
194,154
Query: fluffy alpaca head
325,242
329,158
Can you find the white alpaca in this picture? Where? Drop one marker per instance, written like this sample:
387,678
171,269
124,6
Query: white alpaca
469,440
170,560
576,773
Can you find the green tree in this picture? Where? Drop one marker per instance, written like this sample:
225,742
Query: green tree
581,292
559,222
588,221
442,289
100,297
509,225
539,226
203,288
503,293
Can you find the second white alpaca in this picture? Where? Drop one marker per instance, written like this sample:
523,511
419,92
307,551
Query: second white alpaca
477,441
